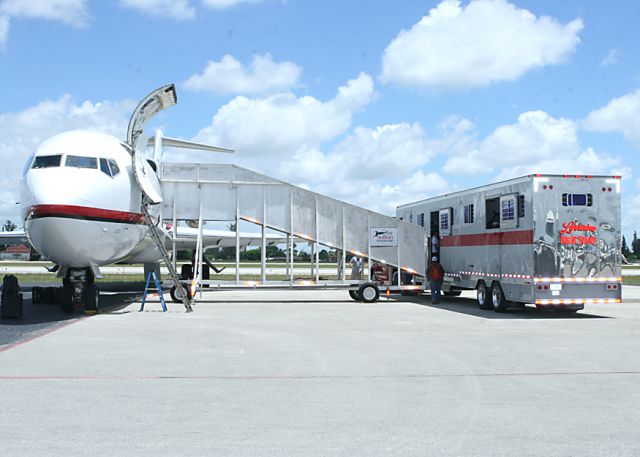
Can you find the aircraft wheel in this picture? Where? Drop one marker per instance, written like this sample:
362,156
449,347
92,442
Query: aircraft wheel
369,293
91,298
36,295
482,295
66,301
497,298
354,295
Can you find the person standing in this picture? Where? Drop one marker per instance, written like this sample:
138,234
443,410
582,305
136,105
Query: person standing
435,274
356,267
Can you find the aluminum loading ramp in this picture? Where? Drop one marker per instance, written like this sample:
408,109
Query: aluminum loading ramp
208,192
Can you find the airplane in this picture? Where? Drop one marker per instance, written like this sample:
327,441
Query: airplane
81,200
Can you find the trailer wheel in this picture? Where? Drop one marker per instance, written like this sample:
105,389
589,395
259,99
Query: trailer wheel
177,294
497,298
482,295
354,295
369,293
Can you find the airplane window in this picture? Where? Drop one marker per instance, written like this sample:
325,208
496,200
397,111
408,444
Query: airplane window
114,167
81,162
104,167
47,161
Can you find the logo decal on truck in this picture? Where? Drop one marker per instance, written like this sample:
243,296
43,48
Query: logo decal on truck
568,228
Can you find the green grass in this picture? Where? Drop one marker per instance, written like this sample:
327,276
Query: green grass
630,280
51,278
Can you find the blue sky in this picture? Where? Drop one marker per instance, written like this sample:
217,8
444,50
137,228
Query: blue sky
377,103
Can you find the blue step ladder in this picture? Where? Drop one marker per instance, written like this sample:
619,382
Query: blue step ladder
158,289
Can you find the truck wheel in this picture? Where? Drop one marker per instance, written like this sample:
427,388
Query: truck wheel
369,293
354,295
497,298
482,295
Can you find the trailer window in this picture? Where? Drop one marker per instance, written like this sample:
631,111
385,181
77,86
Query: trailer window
520,206
444,221
421,219
468,214
492,212
508,210
577,200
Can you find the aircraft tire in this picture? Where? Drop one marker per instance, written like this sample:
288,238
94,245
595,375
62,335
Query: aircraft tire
36,295
66,302
91,298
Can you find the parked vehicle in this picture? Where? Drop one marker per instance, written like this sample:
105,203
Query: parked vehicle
549,240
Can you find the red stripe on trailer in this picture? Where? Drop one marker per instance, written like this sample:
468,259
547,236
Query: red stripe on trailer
488,239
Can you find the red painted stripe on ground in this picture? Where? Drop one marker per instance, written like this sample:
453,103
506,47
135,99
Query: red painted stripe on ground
40,335
488,239
310,377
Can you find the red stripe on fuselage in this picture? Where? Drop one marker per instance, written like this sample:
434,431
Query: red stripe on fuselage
86,213
488,239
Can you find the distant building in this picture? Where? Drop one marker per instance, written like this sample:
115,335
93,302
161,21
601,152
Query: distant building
20,252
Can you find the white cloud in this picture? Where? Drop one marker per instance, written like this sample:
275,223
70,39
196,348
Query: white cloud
612,57
484,42
172,9
223,4
4,30
279,125
72,12
228,76
22,132
538,143
375,168
621,114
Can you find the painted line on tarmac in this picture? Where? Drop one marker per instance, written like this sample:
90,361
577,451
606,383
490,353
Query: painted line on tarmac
40,335
309,377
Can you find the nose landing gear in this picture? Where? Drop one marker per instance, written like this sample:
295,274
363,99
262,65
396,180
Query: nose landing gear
78,289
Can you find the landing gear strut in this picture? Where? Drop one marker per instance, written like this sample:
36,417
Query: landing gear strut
78,289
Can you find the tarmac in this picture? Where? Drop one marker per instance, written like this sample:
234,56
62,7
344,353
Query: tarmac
313,373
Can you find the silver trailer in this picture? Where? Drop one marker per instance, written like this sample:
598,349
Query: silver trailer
549,240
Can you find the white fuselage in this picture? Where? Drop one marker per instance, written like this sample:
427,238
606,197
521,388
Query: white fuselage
81,204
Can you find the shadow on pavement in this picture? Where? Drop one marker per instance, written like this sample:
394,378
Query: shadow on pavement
469,306
40,318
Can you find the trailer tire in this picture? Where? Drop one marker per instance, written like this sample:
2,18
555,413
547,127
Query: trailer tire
497,298
354,295
176,296
369,293
482,295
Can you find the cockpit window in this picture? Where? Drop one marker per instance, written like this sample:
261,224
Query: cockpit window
81,162
104,167
114,167
47,161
